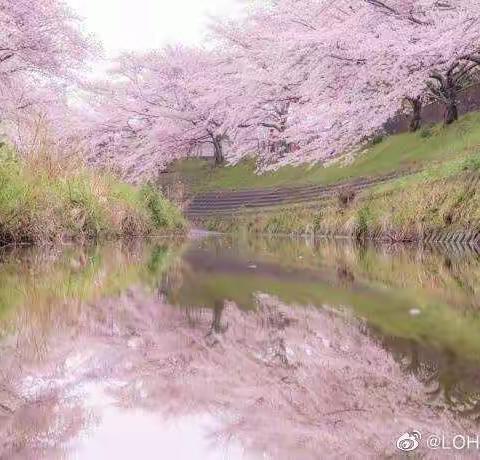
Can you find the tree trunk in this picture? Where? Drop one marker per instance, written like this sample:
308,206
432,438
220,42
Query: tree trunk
218,151
451,109
416,120
451,112
218,307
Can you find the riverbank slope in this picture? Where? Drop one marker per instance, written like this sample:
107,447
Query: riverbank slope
43,199
431,195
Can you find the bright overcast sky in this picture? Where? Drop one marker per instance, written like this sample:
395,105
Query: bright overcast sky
146,24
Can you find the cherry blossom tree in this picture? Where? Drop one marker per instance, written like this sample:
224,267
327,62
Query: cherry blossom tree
39,36
294,81
41,50
361,61
167,104
272,70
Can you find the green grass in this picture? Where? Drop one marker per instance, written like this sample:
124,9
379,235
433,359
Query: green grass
401,152
444,198
43,199
436,196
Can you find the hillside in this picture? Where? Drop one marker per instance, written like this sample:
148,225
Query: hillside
408,187
431,146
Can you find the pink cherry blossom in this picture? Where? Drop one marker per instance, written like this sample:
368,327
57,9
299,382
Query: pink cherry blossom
292,81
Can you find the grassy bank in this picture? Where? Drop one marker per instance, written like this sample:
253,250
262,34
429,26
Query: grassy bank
443,198
42,200
431,145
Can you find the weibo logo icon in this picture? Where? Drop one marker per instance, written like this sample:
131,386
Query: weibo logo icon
409,441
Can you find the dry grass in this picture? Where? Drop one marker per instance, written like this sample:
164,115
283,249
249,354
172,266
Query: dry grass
45,196
407,210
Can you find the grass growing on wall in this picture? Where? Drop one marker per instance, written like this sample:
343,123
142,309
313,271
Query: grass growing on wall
43,199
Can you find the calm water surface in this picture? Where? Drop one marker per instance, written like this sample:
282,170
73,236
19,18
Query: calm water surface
237,348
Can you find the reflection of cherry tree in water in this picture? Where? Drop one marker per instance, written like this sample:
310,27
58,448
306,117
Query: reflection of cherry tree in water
315,372
217,326
30,419
450,382
301,367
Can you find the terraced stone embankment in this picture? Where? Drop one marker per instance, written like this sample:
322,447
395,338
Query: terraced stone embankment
254,200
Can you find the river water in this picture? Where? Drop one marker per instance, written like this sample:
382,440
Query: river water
239,348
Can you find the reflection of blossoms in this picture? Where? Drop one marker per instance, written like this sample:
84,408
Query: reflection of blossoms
313,372
287,381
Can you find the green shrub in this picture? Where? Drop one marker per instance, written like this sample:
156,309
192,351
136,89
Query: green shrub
162,212
362,222
472,163
426,131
